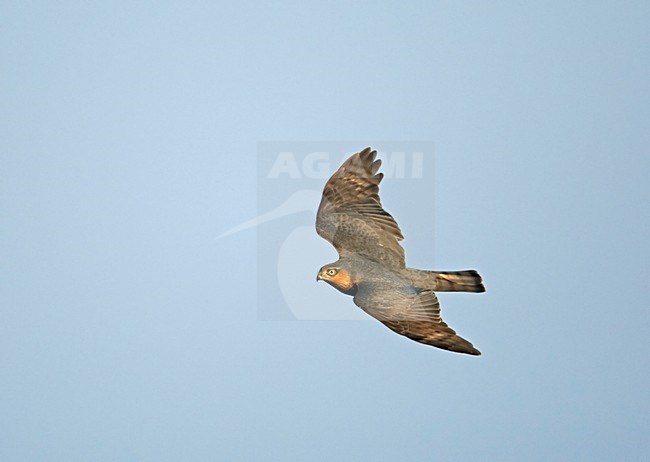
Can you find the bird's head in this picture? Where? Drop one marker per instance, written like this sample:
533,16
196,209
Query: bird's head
339,276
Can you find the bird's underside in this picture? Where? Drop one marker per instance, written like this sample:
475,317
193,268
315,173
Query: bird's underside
411,312
371,263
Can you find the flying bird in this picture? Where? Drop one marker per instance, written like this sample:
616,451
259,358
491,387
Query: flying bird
371,265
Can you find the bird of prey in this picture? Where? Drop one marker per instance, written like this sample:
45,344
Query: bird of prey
371,265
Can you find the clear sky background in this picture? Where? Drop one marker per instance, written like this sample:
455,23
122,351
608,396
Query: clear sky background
128,142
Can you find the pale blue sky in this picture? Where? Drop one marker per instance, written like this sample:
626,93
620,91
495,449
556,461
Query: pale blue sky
129,136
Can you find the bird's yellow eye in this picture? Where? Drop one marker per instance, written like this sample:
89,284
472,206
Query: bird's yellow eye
331,272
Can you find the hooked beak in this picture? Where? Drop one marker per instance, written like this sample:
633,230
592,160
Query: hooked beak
318,278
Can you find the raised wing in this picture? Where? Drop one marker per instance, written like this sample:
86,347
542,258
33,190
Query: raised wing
351,217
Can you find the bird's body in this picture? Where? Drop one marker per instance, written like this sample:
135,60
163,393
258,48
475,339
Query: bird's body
372,267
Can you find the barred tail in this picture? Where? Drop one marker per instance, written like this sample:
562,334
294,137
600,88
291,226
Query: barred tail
448,281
